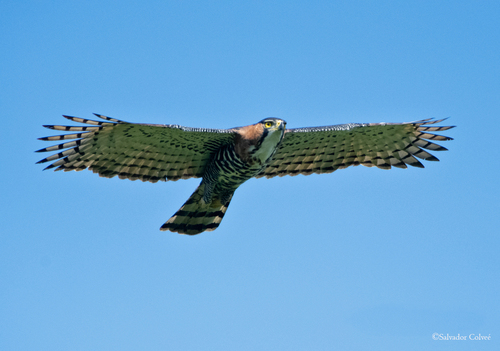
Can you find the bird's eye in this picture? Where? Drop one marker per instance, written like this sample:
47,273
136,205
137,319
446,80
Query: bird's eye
268,124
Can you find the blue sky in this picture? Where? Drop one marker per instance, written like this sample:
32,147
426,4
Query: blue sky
355,260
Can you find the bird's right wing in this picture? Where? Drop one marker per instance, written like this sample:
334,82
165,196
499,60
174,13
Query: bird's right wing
149,152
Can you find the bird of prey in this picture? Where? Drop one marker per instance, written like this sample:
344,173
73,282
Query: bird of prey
226,158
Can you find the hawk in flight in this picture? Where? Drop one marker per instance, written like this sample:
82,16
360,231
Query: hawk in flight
226,158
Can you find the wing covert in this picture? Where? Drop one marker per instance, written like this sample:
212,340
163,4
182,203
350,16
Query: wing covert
149,152
383,145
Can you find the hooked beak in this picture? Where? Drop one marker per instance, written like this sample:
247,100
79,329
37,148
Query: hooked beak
282,125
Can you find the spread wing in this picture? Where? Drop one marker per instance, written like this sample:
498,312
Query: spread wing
326,149
149,152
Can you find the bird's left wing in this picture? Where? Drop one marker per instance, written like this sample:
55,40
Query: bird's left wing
149,152
326,149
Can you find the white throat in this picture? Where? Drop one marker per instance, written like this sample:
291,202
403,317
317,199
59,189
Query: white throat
268,146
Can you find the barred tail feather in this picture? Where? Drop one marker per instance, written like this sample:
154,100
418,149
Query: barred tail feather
195,216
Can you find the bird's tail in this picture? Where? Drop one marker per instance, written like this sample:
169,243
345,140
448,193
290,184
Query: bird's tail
196,216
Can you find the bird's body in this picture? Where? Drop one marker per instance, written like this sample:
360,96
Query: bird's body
229,167
226,158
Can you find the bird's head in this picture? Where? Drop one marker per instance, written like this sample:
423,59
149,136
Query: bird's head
272,132
273,129
260,140
273,124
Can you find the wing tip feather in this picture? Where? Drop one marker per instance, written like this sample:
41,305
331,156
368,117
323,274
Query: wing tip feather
48,167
